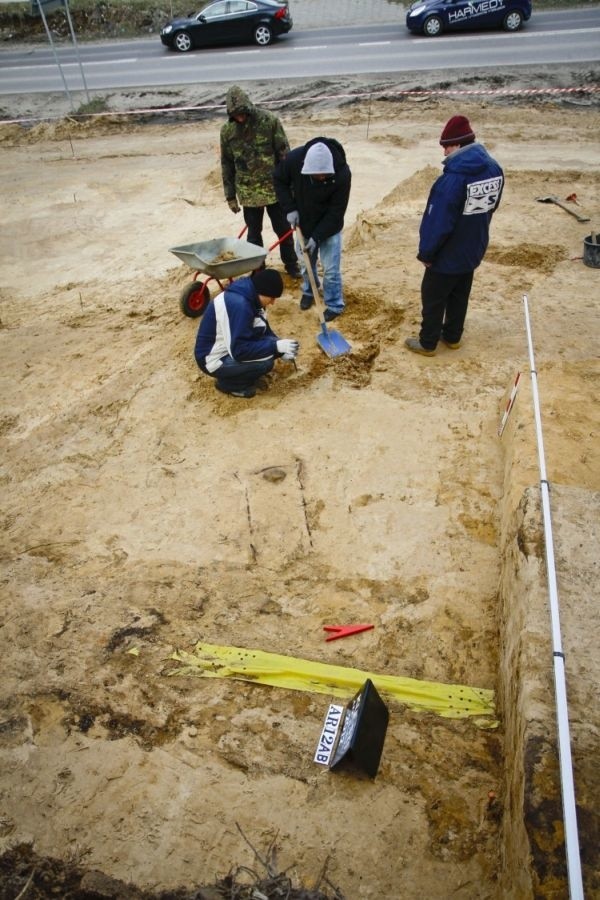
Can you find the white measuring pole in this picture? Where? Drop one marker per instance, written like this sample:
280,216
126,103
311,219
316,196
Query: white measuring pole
564,740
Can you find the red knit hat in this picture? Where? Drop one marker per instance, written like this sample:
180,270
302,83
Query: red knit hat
457,131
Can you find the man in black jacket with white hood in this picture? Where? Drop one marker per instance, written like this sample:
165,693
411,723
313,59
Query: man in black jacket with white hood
312,185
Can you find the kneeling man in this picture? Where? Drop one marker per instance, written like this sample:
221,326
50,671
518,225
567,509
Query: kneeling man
235,344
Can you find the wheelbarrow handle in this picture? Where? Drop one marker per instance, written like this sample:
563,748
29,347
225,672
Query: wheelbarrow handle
281,239
276,244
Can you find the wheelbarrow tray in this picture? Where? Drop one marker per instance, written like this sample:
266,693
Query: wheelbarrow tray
202,256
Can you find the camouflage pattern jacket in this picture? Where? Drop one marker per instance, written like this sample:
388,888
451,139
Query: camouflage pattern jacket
249,151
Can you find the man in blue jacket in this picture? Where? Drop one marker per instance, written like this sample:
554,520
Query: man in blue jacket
312,185
235,344
454,235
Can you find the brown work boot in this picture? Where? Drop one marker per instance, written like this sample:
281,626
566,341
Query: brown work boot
415,345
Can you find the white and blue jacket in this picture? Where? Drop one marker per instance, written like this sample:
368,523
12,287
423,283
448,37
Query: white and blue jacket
454,231
235,325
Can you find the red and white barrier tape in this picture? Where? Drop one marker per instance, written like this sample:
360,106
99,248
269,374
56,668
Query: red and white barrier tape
365,95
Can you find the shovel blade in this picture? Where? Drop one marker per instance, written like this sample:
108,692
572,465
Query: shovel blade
332,342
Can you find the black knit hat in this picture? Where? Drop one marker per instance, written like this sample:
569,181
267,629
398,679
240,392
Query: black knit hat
268,282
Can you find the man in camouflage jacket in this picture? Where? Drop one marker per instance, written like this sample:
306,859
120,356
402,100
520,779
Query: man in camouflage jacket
252,143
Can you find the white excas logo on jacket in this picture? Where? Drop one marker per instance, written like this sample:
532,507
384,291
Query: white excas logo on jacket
482,196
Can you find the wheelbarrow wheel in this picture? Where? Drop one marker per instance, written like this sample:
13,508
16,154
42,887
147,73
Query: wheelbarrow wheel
194,299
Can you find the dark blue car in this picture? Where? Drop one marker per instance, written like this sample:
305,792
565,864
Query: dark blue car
228,22
431,17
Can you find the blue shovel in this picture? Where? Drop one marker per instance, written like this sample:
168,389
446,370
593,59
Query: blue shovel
331,342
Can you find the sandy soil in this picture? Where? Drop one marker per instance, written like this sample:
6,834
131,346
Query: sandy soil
137,518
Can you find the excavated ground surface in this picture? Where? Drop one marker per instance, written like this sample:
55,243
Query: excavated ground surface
137,518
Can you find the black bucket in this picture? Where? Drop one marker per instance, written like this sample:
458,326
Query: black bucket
591,251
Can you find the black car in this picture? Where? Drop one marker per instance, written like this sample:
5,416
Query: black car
432,17
228,22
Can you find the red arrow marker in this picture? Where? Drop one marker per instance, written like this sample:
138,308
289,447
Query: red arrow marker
340,631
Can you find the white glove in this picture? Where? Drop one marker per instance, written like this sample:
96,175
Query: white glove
288,348
311,245
293,218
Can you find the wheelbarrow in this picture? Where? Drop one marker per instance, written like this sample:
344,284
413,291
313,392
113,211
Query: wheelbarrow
221,259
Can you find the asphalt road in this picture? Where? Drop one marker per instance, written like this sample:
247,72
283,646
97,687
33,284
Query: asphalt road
559,36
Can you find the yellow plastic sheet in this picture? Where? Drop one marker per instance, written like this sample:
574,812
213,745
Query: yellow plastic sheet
453,701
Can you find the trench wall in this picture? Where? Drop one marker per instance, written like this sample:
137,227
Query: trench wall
533,851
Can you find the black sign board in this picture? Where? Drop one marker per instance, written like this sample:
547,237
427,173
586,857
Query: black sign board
360,743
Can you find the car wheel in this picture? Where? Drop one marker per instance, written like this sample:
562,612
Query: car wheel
512,21
182,42
194,299
263,35
432,26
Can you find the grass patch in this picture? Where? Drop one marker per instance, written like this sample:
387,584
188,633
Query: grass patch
97,105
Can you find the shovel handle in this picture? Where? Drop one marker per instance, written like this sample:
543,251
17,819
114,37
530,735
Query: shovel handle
313,282
565,206
568,209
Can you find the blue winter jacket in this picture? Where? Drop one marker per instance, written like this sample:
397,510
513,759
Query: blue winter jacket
234,324
454,231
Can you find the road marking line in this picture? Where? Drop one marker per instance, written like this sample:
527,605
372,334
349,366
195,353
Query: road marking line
66,65
448,37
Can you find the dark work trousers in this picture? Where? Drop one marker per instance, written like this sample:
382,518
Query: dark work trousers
445,299
253,217
237,376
